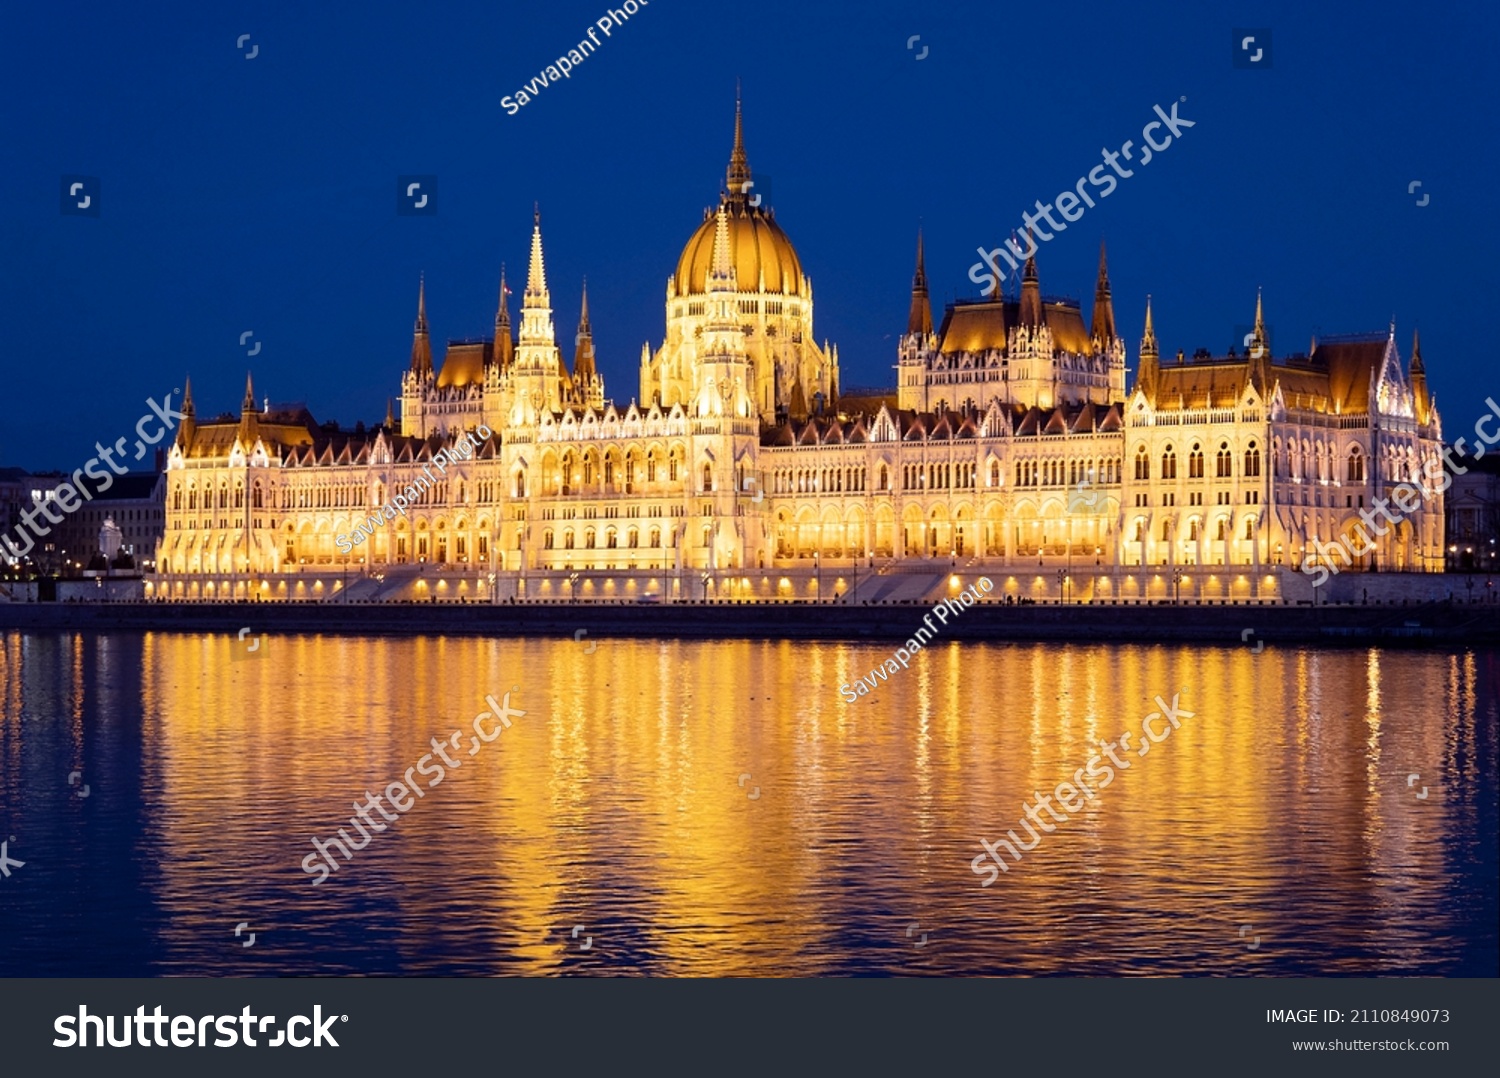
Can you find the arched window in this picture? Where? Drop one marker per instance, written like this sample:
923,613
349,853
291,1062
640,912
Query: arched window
1356,466
885,478
255,498
1142,464
611,539
994,473
588,539
656,537
1169,464
520,484
1226,462
1222,533
1166,531
1193,531
708,478
547,539
1252,461
568,539
1195,462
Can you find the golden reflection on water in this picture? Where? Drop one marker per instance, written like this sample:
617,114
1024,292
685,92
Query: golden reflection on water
716,808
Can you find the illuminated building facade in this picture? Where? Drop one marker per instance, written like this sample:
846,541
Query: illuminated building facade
1011,446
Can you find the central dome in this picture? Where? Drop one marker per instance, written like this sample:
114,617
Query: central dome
758,247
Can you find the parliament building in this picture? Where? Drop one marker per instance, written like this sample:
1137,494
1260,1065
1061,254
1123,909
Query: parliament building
1012,447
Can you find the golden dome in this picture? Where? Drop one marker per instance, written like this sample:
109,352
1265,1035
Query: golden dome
757,246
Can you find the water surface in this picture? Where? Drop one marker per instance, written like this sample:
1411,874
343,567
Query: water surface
716,808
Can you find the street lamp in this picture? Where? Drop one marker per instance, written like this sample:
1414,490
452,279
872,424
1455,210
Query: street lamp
818,568
572,587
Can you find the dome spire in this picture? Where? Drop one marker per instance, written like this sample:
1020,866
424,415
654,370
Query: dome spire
739,166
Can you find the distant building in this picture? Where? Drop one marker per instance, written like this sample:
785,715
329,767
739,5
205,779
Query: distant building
135,501
1473,525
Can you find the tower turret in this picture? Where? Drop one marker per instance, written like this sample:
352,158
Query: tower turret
421,344
1103,324
1145,377
919,321
505,345
1421,396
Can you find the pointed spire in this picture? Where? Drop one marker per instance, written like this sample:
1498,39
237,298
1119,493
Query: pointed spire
584,368
1258,369
1031,289
1103,327
1421,395
390,414
1145,377
505,344
738,175
920,318
421,345
721,275
189,424
536,274
249,422
798,405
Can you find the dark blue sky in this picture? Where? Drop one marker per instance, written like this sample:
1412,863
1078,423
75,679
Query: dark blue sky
259,195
